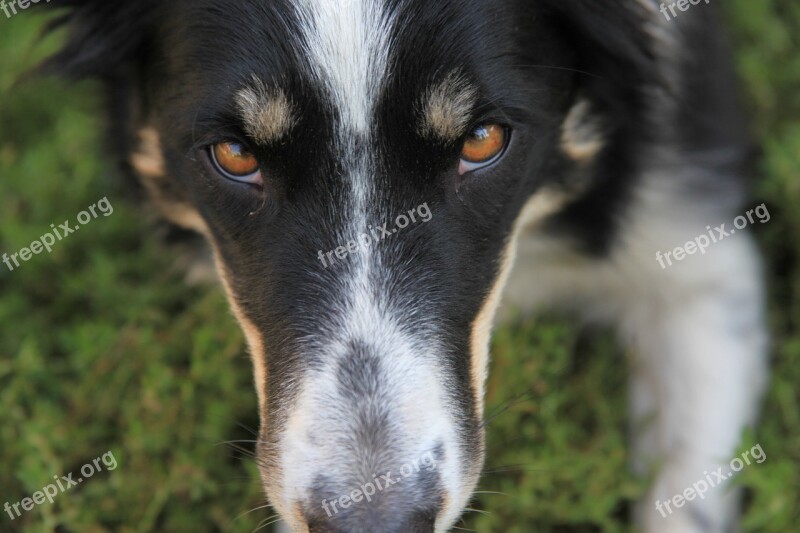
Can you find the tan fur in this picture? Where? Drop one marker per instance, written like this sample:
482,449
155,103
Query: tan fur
148,161
254,340
447,108
582,135
267,113
258,357
541,206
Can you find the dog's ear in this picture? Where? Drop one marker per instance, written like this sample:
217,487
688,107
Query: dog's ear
115,41
111,41
105,38
618,43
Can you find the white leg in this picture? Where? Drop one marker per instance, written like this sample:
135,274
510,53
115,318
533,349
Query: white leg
698,373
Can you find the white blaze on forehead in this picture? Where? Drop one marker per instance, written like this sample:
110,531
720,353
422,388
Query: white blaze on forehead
347,44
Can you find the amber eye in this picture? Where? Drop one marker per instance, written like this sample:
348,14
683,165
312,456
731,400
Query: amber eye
235,162
483,147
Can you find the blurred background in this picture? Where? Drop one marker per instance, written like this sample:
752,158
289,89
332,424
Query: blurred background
104,347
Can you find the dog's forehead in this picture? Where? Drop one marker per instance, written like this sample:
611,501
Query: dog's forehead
349,50
352,64
347,46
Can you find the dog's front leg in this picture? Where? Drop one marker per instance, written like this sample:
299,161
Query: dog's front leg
698,373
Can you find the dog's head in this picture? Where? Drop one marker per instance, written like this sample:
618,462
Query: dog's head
360,169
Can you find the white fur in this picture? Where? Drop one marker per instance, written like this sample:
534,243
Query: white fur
414,383
421,416
347,44
696,332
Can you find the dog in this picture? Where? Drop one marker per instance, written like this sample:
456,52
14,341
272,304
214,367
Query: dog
375,176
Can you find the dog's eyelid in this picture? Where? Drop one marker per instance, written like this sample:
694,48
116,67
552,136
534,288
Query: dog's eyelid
218,128
505,111
232,135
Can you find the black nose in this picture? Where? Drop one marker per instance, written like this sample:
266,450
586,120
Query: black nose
419,521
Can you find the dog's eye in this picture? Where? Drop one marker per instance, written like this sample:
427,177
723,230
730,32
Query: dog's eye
235,162
483,147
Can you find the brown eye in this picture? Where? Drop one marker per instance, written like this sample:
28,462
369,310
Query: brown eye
234,161
483,146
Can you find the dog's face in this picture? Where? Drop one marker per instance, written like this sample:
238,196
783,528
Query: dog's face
360,168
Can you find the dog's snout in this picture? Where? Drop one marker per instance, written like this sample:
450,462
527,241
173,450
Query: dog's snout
388,520
371,443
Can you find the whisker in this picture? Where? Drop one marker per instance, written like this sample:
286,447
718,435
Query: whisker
269,521
240,449
513,402
519,399
245,441
516,468
247,428
254,510
568,69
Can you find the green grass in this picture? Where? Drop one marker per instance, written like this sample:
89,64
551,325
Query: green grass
103,347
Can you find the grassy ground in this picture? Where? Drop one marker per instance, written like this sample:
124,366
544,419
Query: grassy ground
104,348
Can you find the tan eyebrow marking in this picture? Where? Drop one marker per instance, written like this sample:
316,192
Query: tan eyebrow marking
447,108
267,112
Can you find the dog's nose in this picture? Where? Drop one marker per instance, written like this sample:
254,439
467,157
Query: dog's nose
414,521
